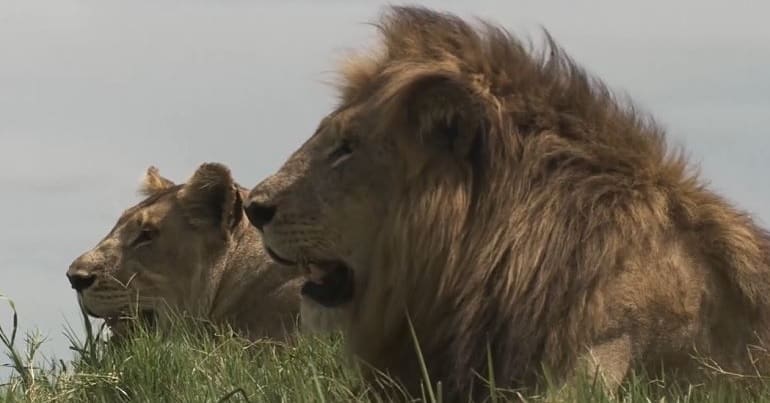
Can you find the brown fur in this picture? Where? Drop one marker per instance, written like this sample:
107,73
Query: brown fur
506,200
205,260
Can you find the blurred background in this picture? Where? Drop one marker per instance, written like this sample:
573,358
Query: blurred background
93,92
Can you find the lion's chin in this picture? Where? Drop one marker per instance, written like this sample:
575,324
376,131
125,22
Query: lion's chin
329,282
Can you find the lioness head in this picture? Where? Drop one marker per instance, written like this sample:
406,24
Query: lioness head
159,253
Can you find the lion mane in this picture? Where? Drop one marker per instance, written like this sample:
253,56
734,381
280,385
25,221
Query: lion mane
556,226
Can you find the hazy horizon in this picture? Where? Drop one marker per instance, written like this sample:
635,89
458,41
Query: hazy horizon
92,93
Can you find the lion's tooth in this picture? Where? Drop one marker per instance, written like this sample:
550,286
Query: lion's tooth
316,274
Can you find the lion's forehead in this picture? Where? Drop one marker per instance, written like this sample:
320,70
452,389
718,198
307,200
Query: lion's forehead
152,209
109,248
344,120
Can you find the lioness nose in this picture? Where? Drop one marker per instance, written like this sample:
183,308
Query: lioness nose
80,280
259,214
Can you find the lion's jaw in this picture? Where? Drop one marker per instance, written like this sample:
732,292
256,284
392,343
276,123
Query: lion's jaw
329,275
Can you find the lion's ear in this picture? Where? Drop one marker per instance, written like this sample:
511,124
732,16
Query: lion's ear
153,182
211,197
445,110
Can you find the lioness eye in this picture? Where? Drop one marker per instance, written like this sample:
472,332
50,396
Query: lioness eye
145,235
341,153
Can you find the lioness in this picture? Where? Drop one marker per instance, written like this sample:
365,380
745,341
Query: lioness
505,206
187,248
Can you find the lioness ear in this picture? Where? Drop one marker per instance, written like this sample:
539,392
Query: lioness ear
211,197
153,182
446,112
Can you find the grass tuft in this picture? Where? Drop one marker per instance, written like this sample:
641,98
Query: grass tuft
199,362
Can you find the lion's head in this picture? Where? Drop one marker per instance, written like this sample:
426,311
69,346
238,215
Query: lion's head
494,200
186,248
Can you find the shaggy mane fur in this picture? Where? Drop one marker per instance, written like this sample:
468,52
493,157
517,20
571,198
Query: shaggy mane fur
525,249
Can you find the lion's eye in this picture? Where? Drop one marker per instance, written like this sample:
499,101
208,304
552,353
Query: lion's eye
341,153
145,236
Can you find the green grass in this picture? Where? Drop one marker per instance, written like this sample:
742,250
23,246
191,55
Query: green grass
195,364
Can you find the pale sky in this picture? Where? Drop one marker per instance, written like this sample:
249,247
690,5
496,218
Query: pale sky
92,92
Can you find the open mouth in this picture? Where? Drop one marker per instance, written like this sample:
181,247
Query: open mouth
329,283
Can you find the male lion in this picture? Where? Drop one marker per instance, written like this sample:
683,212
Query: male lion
187,248
504,205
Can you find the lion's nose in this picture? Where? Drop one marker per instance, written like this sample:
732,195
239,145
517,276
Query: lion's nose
80,280
259,214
